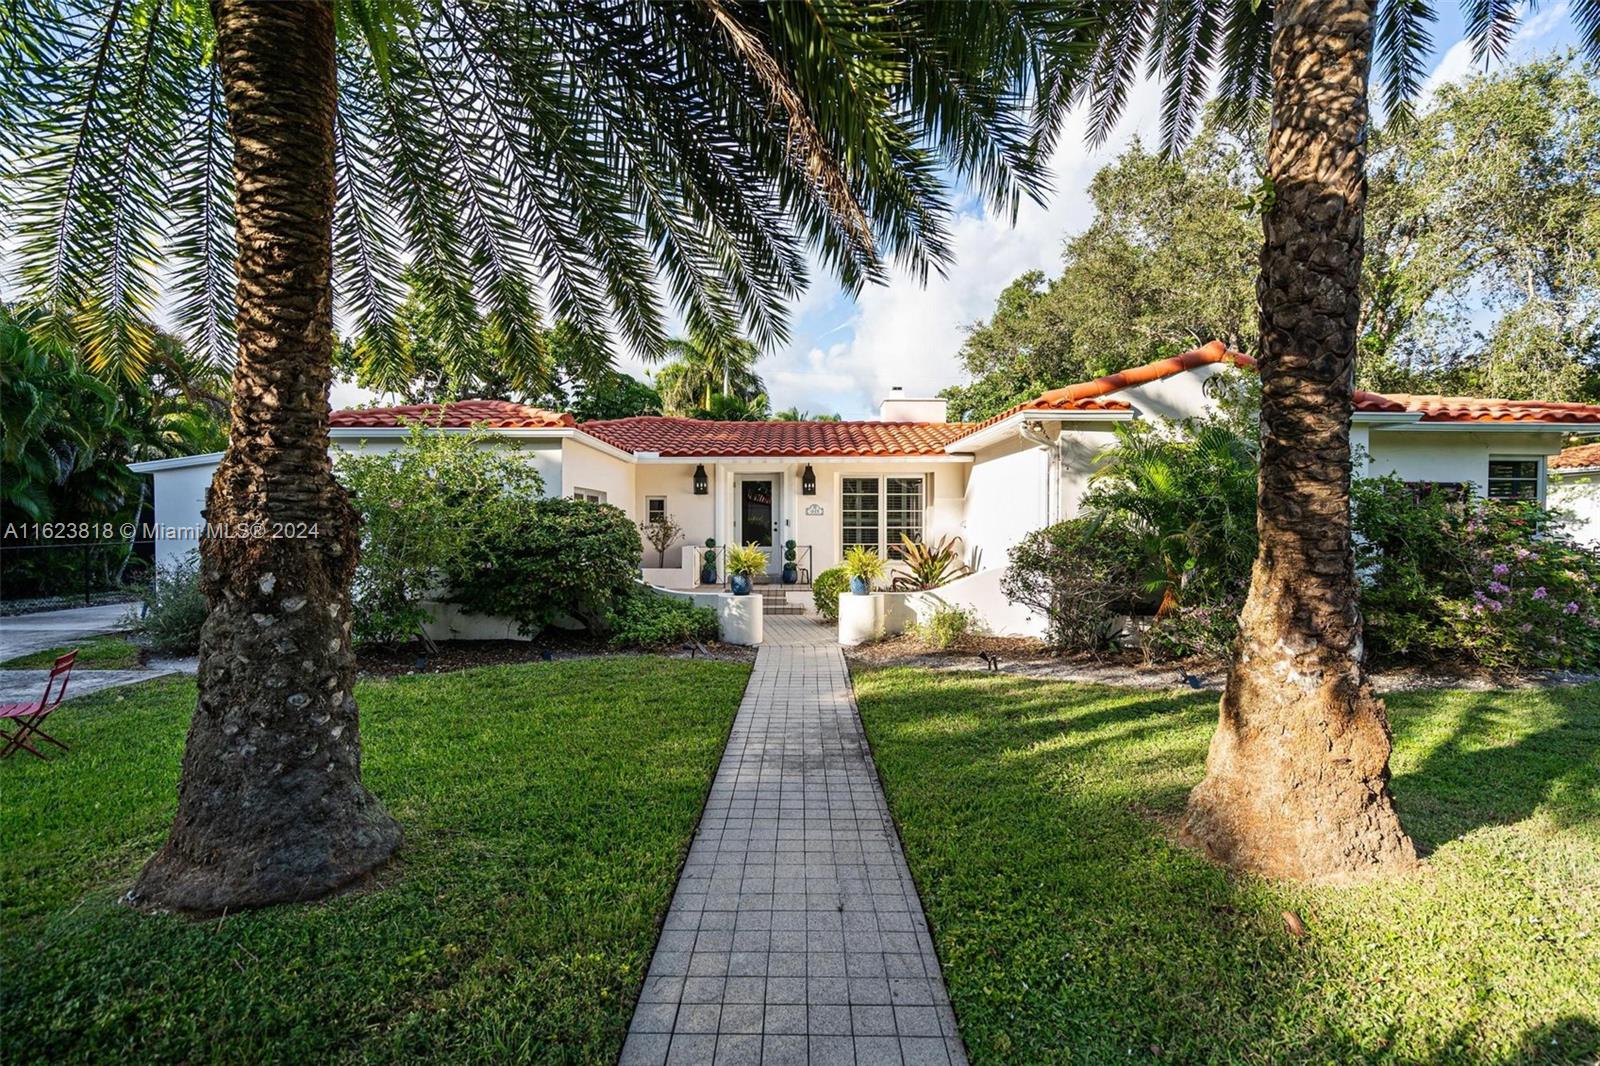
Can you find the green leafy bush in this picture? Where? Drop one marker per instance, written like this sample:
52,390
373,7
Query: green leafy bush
946,626
1080,574
424,508
552,558
825,590
1189,493
1469,580
175,609
646,619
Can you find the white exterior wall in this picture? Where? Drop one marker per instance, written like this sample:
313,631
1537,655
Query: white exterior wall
1578,494
180,496
1174,398
675,481
1005,500
586,467
1450,455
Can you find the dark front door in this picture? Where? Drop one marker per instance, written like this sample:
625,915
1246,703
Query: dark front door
755,513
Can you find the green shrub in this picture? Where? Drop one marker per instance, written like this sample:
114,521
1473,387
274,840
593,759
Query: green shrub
424,508
946,626
1189,493
1469,580
553,558
646,619
1080,574
825,590
175,609
929,566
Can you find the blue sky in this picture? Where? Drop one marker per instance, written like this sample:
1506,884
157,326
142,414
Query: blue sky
846,353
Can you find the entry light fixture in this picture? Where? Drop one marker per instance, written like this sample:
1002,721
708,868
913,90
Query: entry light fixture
808,482
701,484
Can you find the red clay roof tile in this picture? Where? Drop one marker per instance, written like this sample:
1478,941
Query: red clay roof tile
685,437
1580,457
493,414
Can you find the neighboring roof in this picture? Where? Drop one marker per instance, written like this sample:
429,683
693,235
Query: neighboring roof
1581,457
150,466
689,437
492,414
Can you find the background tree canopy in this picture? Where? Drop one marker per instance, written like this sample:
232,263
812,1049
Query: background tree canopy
1482,269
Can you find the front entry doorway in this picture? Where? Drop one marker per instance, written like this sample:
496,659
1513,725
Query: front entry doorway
757,519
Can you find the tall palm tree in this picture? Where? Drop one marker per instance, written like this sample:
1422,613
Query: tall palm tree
574,160
715,366
704,370
1297,777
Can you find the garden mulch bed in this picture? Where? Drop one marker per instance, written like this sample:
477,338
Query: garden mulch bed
1030,658
554,644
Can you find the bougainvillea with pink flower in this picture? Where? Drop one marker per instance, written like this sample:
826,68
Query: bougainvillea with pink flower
1470,580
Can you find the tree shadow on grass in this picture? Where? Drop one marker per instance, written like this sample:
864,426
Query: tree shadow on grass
1072,928
1489,760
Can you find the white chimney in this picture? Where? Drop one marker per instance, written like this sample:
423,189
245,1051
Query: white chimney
898,407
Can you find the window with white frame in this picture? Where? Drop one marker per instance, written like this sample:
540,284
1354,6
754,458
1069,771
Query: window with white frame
902,512
1514,478
862,513
655,508
875,511
592,495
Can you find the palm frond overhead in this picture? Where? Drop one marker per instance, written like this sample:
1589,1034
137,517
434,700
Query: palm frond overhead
597,162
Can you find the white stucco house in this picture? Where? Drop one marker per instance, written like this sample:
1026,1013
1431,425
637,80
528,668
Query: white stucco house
830,485
1574,481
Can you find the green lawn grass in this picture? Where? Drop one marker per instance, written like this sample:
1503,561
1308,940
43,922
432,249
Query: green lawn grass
96,653
546,807
1039,818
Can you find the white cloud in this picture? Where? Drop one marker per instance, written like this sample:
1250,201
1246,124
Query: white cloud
907,334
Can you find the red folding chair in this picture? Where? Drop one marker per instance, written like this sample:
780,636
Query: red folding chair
28,716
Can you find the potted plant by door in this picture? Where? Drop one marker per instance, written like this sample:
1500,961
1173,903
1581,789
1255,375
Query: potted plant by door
863,566
708,563
791,572
743,564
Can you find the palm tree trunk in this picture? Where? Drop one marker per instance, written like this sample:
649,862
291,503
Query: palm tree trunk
270,805
1297,777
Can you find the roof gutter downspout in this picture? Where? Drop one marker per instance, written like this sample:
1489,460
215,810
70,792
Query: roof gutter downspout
1052,481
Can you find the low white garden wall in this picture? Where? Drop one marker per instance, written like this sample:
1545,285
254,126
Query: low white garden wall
739,618
685,575
882,614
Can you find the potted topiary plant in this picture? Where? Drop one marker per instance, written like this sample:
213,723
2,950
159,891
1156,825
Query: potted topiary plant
791,572
743,564
863,566
708,563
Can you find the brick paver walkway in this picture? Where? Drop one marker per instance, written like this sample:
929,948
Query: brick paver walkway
795,934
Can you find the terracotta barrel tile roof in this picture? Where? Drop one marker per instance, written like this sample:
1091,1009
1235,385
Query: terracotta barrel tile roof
494,414
1581,457
680,437
1475,409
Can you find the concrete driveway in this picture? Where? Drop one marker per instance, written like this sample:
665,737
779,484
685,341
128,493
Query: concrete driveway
25,633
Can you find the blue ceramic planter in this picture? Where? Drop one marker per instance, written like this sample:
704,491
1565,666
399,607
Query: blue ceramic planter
859,586
791,574
741,584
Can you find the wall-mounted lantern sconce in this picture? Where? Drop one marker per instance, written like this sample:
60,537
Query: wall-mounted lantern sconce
808,482
700,482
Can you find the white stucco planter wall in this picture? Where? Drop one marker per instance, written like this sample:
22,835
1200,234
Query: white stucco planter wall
685,575
739,618
447,621
861,618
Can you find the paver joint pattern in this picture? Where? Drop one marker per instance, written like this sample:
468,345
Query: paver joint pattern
796,934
